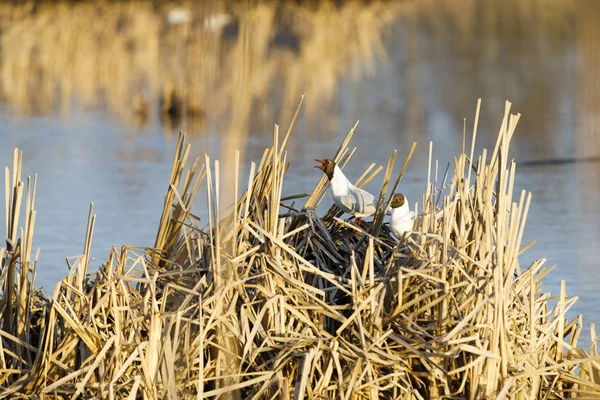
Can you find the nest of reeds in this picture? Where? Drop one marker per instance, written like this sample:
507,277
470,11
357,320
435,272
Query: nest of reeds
271,300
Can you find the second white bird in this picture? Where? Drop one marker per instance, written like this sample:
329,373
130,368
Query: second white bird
403,218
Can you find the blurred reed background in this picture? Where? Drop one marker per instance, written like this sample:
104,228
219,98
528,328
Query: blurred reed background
187,63
236,66
240,66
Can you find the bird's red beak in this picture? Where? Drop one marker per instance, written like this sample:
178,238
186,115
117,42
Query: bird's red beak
322,166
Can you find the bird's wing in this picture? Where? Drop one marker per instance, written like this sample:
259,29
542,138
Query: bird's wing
408,216
360,201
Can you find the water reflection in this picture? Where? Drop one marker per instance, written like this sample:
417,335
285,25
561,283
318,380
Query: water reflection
95,93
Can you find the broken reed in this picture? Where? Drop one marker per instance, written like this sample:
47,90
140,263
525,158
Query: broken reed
272,301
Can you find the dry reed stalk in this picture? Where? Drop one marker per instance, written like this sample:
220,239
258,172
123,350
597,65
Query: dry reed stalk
299,306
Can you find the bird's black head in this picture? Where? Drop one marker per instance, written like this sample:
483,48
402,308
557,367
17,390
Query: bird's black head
327,166
397,200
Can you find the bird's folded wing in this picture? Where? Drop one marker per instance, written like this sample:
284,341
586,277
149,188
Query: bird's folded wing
407,217
359,201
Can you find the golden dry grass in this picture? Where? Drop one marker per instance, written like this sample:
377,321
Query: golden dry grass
270,300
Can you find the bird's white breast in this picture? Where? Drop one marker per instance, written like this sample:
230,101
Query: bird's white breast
402,220
340,185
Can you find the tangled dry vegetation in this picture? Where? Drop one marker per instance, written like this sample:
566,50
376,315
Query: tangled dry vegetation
270,300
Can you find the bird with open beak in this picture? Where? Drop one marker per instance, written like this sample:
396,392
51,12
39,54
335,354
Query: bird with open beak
346,196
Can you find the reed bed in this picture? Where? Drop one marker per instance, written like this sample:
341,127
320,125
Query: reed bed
271,300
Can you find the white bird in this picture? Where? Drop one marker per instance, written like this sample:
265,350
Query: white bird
216,22
403,218
348,197
178,16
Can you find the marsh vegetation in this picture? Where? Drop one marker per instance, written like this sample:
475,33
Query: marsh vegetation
270,299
